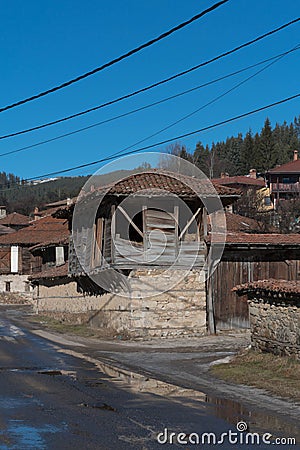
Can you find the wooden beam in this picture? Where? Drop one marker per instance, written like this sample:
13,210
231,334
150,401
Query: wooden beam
130,221
145,232
93,247
210,302
189,224
204,220
98,242
176,217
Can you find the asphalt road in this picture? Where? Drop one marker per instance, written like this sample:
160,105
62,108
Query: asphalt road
60,394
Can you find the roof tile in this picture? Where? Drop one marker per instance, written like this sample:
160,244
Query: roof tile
269,286
44,230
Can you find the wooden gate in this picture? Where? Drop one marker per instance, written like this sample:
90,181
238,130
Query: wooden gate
4,260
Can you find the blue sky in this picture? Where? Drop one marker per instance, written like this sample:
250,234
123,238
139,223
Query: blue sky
45,43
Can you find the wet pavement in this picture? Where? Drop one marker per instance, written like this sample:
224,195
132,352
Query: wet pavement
68,392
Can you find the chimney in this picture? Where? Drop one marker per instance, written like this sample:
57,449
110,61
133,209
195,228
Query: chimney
36,213
295,155
252,173
2,212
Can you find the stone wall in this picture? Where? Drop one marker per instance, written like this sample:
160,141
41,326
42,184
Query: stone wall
275,324
179,311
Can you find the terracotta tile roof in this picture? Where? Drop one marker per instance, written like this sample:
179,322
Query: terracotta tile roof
46,229
240,179
51,273
154,182
269,286
177,184
235,223
238,223
50,242
6,230
14,219
290,167
272,239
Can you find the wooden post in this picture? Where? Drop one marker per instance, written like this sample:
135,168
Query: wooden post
199,225
113,232
210,302
204,221
176,218
145,243
93,247
98,242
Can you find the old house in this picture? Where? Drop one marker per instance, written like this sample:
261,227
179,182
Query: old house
255,192
284,180
17,261
135,263
137,259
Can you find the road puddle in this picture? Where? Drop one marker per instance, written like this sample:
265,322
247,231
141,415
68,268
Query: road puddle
257,421
55,372
21,436
13,402
227,409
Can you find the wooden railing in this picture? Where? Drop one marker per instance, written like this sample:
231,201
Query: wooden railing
285,187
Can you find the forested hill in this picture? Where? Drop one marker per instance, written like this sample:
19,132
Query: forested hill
238,154
20,197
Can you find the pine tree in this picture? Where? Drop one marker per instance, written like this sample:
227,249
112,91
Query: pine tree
247,154
267,151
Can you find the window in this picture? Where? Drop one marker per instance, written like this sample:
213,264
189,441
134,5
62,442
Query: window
59,256
7,286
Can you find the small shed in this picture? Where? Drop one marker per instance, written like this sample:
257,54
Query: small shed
274,307
249,257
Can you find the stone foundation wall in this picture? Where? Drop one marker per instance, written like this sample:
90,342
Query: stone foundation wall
275,325
179,311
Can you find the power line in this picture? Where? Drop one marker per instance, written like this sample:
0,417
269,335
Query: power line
151,86
166,141
79,130
118,59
